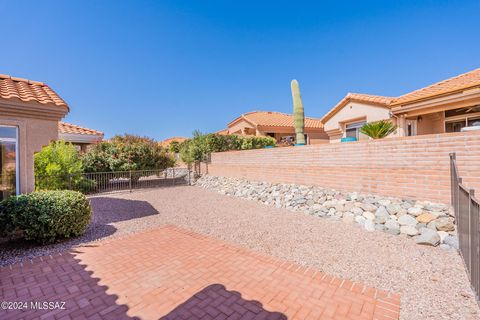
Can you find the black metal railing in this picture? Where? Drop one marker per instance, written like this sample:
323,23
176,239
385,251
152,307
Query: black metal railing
100,182
467,217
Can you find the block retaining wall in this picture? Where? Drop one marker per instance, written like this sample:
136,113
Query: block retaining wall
409,167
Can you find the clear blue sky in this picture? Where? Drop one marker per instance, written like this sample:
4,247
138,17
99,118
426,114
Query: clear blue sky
164,68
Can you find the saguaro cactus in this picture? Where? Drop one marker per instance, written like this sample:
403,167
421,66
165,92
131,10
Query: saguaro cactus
298,114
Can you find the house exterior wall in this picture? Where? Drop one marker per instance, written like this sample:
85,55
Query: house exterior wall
351,112
410,167
240,126
431,123
33,134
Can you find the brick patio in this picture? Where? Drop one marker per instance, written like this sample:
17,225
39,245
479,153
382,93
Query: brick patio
171,273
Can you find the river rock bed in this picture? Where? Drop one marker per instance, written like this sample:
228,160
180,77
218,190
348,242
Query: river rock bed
427,223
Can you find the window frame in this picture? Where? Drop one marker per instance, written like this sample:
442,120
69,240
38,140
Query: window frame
355,125
16,140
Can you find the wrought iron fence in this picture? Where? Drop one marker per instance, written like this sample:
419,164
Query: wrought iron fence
100,182
467,214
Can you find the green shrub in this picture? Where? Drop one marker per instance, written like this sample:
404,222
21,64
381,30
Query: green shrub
378,129
127,152
45,216
58,166
198,148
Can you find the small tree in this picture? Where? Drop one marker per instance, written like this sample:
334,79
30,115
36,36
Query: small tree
378,129
58,166
174,147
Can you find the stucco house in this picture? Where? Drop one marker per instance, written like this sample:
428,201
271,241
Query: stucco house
29,115
80,137
275,124
446,106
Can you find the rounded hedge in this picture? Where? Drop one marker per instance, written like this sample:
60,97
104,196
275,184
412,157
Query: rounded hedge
45,216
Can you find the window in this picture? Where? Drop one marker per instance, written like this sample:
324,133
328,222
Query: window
455,126
8,161
473,122
457,119
352,130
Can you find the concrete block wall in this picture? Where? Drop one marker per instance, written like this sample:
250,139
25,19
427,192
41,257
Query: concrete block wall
408,167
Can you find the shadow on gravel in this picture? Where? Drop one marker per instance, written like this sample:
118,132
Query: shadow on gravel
108,209
216,302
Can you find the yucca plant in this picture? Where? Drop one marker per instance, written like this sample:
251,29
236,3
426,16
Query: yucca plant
378,129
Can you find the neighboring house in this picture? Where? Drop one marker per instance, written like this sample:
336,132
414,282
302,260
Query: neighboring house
275,124
165,143
80,137
29,115
447,106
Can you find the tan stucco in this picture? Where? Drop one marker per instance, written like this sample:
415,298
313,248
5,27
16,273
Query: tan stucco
37,125
353,112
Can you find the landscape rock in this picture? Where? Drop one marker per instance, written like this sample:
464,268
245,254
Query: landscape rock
427,222
445,224
425,218
451,241
393,208
443,235
407,220
369,225
415,211
409,230
428,237
368,215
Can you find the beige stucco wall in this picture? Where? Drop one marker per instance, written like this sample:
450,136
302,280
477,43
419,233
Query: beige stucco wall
353,111
33,134
37,125
240,126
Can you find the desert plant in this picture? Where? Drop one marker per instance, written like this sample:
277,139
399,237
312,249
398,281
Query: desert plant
45,216
201,145
298,113
174,147
127,152
378,129
58,166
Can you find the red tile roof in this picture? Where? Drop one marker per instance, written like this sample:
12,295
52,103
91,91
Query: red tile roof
12,88
458,83
275,119
69,128
358,97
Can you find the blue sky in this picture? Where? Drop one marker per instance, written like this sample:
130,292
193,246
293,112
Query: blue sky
165,68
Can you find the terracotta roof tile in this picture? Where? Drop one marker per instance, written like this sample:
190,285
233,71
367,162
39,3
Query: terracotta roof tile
458,83
358,97
12,88
276,119
69,128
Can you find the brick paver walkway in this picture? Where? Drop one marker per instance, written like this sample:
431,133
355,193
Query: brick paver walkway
170,273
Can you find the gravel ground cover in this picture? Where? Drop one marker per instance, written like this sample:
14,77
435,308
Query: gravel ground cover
432,282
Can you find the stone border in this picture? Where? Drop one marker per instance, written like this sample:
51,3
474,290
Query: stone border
425,222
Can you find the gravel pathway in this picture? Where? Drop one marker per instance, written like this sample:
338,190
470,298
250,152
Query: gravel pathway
432,282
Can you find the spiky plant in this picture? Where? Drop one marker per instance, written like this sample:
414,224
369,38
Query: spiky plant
378,129
298,114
